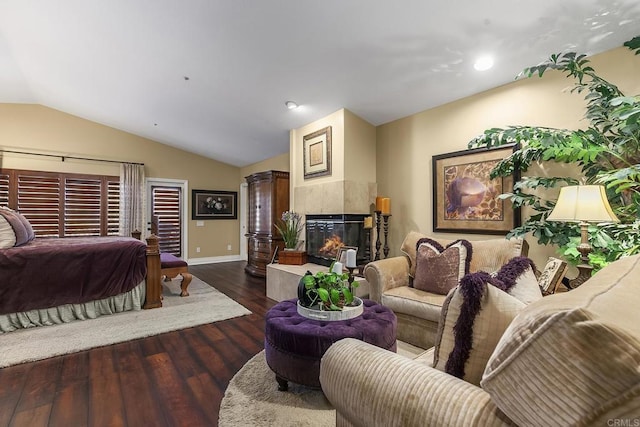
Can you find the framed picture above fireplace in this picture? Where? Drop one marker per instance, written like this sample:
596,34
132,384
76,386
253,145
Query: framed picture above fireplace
317,153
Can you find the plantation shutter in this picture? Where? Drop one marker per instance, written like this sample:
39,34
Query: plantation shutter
38,199
166,206
82,207
63,204
113,206
4,189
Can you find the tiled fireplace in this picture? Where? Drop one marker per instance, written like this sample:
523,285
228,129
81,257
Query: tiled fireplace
326,233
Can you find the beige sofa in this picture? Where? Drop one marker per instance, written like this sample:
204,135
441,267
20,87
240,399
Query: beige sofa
418,312
568,359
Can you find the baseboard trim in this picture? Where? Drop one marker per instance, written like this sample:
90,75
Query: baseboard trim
214,259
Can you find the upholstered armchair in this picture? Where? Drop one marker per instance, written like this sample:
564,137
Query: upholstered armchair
418,311
571,358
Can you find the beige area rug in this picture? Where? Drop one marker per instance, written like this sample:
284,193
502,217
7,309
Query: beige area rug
204,304
252,398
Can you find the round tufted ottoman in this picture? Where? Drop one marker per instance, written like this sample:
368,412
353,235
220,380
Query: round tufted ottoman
294,344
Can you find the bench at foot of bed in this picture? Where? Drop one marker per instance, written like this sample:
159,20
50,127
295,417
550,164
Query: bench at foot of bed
171,266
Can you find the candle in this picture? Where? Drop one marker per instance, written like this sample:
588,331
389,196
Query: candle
368,222
386,206
351,258
337,268
379,203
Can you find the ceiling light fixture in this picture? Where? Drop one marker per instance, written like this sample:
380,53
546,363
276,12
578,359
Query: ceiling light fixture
291,105
483,63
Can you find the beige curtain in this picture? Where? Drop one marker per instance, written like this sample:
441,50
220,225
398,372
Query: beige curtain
132,198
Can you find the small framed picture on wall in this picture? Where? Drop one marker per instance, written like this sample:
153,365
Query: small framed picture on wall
212,204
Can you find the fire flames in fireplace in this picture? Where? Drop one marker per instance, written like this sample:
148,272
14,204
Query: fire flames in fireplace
331,246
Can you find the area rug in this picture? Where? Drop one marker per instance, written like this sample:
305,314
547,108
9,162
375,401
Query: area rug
252,398
204,304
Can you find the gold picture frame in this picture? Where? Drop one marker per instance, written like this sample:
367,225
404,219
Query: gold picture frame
465,199
317,153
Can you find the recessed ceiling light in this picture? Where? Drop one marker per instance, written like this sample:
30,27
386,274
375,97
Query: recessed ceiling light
483,63
291,105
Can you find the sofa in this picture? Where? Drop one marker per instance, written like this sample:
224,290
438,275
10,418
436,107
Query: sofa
418,312
571,358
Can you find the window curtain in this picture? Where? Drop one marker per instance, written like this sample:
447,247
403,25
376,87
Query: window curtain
132,199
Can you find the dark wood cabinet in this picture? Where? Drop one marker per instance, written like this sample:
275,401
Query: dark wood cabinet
268,197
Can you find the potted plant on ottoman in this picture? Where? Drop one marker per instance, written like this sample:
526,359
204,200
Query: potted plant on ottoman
328,296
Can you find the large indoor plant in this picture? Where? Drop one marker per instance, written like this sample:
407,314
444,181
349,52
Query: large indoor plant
606,152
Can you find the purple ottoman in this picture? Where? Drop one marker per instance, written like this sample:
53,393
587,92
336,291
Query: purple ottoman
294,344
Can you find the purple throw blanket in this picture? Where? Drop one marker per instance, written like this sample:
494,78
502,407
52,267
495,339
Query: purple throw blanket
48,272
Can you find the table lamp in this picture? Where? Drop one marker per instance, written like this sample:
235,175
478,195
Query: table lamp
583,204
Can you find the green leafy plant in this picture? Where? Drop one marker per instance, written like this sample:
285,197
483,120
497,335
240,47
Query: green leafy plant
607,152
330,290
290,226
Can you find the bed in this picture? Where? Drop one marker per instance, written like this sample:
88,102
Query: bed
47,281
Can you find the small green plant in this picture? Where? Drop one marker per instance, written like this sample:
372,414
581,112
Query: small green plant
329,290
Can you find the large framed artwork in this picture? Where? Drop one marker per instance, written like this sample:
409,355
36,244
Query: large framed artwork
317,153
465,199
211,204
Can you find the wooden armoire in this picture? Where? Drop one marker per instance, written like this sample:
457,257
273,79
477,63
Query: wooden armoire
268,198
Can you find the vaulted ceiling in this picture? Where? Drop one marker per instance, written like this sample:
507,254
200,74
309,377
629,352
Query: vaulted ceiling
212,76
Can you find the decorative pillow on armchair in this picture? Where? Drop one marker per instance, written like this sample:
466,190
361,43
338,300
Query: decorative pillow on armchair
439,269
476,314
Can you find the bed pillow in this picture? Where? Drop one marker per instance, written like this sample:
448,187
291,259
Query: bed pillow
27,225
12,230
473,319
7,235
439,269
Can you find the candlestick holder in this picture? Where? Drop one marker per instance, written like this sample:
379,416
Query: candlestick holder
367,245
386,234
378,244
351,278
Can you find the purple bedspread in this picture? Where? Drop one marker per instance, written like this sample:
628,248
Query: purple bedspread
50,272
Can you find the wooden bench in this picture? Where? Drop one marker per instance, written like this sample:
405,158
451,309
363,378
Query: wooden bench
171,266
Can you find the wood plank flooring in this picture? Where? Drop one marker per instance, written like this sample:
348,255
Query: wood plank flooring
173,379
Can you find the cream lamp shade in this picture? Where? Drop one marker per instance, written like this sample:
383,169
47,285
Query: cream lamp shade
583,203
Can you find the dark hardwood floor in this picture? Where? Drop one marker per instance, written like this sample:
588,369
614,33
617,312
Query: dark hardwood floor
173,379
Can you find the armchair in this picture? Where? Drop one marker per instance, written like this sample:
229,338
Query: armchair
418,311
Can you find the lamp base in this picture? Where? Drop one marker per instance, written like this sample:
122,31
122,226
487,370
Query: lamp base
584,274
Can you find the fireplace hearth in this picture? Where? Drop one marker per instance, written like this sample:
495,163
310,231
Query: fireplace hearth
326,234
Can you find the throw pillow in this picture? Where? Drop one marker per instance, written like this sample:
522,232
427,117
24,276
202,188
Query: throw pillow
439,269
518,278
474,317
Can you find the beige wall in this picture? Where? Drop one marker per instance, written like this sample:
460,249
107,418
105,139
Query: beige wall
41,129
351,185
405,147
277,163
